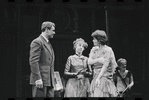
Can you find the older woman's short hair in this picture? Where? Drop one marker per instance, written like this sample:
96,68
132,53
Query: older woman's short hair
101,36
79,40
121,61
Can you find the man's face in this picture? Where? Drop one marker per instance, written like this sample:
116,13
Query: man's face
50,32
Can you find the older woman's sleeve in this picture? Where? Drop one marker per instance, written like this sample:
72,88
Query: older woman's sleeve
67,68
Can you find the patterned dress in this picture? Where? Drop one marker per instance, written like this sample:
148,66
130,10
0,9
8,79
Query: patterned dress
76,87
107,87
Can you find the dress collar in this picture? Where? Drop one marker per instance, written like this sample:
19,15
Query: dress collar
81,56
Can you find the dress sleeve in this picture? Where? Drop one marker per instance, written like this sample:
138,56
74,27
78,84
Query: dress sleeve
110,58
113,61
107,56
68,68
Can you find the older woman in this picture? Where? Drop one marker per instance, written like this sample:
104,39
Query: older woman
102,59
77,70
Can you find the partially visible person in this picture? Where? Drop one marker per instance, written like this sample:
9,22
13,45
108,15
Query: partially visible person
78,71
41,62
123,78
102,60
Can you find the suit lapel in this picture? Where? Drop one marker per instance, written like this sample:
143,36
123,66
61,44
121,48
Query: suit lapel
49,48
52,53
46,44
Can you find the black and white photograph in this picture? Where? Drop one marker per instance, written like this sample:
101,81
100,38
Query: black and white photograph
74,49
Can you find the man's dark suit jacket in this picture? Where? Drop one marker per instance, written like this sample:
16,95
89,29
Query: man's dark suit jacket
41,62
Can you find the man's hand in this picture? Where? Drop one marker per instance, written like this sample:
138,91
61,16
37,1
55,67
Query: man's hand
39,83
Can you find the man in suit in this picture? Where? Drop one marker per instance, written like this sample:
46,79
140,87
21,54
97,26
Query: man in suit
42,62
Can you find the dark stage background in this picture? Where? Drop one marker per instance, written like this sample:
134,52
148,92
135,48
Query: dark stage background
126,25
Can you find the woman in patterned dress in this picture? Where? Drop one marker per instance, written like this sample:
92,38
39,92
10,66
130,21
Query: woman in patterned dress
77,70
103,62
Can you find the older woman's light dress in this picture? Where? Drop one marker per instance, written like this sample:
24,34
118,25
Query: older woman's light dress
106,87
76,87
